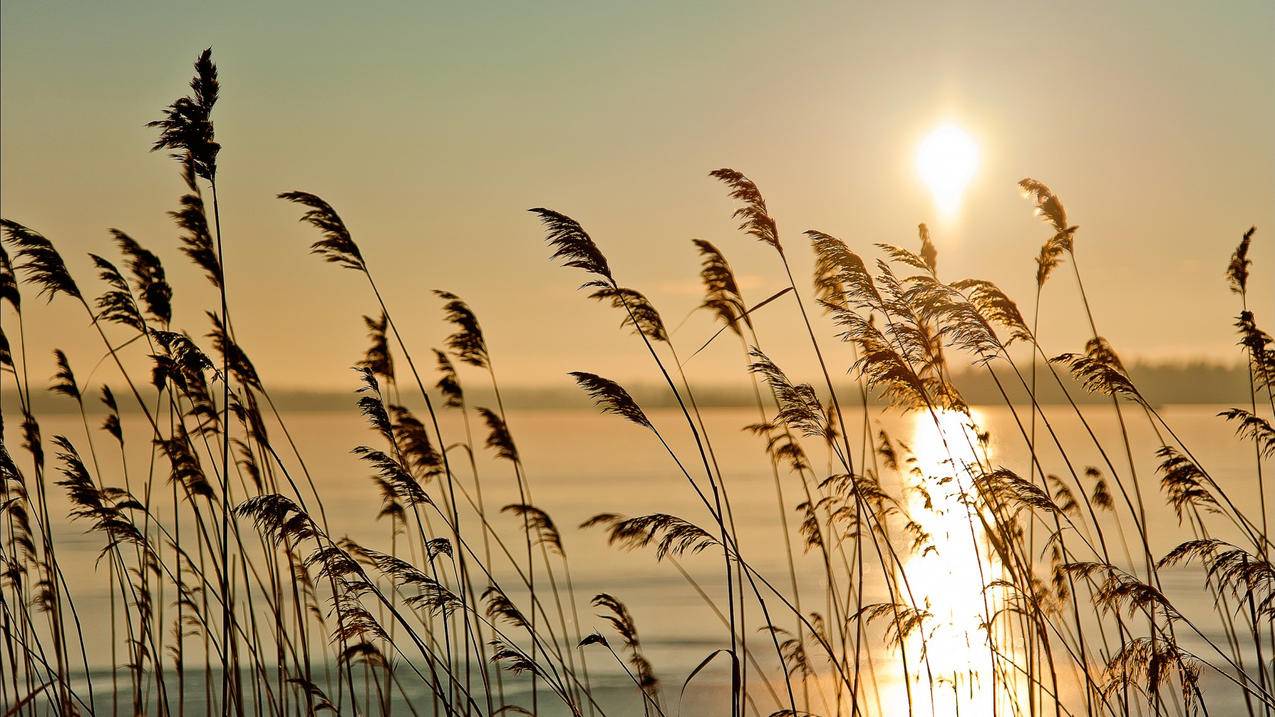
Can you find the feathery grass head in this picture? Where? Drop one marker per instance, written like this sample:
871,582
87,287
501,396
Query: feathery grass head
1050,209
594,638
102,507
781,445
1101,494
1063,496
1246,576
1098,374
995,307
236,359
572,244
6,360
721,290
926,260
184,465
111,424
184,352
929,252
1199,548
1003,486
31,439
885,449
754,218
499,606
1149,665
362,653
792,652
315,695
1101,350
1258,345
882,368
830,290
336,246
378,359
619,617
196,238
390,472
1048,205
841,273
39,261
372,404
498,437
357,626
398,568
639,312
14,507
449,382
936,312
9,282
511,658
187,126
117,305
611,397
539,524
1118,590
148,276
1184,483
900,255
1051,254
247,462
670,534
181,369
799,407
278,517
467,340
900,619
1254,428
622,621
430,594
414,443
64,379
1237,268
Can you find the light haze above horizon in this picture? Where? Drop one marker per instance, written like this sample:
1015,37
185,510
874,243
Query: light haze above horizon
433,128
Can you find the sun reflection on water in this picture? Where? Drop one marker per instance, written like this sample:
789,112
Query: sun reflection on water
947,574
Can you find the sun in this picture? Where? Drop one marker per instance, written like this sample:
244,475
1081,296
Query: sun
946,160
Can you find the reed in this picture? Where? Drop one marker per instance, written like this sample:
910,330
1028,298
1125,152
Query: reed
228,588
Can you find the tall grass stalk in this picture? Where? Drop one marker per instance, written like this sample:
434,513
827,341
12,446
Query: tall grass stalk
1070,609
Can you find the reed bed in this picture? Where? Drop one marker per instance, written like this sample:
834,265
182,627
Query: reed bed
231,593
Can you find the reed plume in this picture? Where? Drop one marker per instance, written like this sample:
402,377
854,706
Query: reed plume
300,619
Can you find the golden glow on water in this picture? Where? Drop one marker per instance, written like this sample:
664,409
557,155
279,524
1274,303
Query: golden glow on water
947,576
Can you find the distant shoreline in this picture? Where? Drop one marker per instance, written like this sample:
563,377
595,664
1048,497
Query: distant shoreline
1189,383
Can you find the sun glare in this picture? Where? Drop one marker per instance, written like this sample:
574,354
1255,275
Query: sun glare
946,160
947,578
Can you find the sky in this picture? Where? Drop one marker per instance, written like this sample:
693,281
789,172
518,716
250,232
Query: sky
432,128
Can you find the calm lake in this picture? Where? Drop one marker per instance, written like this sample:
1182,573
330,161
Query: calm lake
580,464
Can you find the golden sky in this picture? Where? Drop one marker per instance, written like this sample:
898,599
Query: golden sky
432,128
